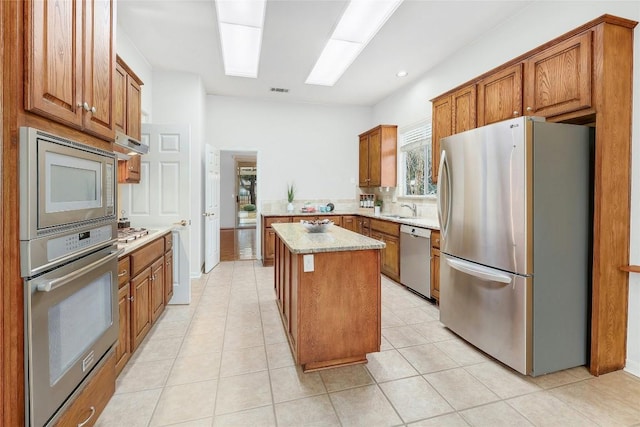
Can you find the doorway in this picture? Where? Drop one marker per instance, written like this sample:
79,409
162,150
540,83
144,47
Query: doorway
246,185
239,205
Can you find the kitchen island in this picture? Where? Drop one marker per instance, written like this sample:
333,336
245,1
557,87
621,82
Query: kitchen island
328,294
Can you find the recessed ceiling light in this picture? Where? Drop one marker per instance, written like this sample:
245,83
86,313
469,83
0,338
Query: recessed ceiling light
240,24
402,74
359,24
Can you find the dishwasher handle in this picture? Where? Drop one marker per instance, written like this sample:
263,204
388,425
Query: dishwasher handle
415,231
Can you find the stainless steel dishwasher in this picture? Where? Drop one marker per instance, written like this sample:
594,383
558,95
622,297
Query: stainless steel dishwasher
415,253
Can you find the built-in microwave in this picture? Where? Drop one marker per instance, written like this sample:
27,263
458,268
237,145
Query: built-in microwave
64,186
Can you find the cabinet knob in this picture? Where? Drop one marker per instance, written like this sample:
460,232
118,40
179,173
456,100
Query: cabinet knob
130,168
529,109
516,113
85,106
130,299
93,110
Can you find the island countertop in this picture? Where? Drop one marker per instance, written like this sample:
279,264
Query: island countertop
335,239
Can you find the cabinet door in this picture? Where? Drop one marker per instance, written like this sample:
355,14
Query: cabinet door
269,244
120,99
558,79
134,106
435,274
435,265
99,67
500,96
349,223
363,165
391,259
54,60
441,127
123,346
464,109
375,158
168,277
141,307
157,288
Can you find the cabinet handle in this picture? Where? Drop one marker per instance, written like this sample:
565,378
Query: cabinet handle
529,109
93,411
130,168
122,273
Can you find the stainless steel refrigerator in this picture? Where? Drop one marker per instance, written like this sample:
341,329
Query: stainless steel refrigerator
515,214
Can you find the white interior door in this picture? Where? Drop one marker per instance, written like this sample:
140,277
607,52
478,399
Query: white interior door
163,196
211,209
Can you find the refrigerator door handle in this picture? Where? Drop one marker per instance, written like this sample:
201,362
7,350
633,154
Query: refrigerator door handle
482,273
443,217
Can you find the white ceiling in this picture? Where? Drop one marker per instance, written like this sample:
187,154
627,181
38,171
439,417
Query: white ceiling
183,35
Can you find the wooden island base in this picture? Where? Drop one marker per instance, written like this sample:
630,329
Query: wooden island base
332,315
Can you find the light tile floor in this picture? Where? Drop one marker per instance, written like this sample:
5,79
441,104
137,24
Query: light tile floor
224,361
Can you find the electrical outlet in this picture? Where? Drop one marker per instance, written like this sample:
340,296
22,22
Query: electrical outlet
307,263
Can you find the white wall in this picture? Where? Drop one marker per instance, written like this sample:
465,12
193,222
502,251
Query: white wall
313,146
178,98
507,41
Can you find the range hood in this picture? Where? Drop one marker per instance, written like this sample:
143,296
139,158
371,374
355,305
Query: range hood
132,145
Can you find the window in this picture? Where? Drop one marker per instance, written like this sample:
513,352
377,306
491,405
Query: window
415,161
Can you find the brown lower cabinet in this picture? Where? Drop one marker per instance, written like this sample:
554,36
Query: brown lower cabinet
389,233
146,286
157,288
435,265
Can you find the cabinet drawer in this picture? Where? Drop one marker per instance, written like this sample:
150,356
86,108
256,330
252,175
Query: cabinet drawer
91,401
275,219
387,227
124,271
168,242
146,255
435,239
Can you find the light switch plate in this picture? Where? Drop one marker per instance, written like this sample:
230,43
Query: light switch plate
307,263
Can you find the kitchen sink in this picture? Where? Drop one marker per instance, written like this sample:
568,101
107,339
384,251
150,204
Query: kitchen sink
397,216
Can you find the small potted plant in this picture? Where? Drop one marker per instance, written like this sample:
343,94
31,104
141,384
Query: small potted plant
290,196
377,207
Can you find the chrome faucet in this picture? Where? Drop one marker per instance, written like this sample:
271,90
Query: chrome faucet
413,208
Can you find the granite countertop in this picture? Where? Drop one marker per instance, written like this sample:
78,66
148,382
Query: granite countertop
335,239
424,222
154,233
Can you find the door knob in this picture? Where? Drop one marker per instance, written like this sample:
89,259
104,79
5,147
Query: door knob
183,223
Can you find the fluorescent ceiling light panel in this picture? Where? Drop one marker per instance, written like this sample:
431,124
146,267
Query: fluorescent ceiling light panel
326,72
359,24
240,23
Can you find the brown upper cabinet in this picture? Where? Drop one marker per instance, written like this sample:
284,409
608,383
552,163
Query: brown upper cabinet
127,100
452,114
584,76
558,79
552,82
378,154
500,95
70,56
127,111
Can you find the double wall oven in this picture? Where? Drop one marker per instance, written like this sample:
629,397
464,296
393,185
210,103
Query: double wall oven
68,238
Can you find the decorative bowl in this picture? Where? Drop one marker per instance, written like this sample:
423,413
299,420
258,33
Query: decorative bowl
317,225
